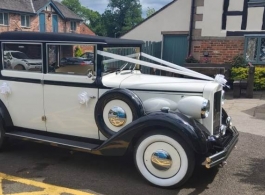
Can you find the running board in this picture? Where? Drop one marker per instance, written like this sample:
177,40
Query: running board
54,141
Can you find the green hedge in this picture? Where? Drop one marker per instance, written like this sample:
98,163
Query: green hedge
242,73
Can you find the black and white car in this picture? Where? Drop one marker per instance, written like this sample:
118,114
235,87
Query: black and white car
168,124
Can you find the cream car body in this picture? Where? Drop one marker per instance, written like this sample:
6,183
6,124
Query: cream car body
167,123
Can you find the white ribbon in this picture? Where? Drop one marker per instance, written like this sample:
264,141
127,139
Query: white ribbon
83,98
183,71
219,78
5,89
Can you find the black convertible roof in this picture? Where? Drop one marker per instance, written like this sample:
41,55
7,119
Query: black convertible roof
64,37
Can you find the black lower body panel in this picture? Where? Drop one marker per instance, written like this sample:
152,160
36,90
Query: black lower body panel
54,141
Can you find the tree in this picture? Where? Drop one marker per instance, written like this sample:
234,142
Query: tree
94,20
90,17
150,11
78,51
121,15
73,5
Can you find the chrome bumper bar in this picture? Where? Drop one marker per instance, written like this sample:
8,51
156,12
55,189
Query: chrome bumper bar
221,156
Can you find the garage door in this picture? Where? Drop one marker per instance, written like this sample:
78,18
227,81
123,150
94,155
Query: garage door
175,48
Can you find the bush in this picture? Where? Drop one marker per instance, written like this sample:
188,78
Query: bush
78,51
238,61
242,73
191,59
259,78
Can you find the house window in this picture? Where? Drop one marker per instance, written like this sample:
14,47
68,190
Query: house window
255,49
256,3
4,19
25,20
73,26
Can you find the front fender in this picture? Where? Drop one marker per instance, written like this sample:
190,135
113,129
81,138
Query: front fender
188,129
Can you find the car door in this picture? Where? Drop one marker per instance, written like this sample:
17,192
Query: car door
69,97
22,90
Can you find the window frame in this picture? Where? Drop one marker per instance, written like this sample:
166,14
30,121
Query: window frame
75,25
256,3
25,16
3,15
24,43
259,37
73,44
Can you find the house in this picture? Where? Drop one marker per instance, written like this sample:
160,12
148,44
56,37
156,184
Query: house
213,31
39,16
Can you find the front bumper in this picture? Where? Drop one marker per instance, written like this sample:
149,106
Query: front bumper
223,154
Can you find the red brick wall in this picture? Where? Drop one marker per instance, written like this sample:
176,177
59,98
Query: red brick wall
220,51
84,29
15,22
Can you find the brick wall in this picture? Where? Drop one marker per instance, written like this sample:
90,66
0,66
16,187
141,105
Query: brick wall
220,50
84,29
63,26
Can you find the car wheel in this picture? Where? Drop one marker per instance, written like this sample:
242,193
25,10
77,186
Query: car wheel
19,67
114,111
164,159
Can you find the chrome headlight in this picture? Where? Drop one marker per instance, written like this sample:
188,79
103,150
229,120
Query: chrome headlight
194,106
205,108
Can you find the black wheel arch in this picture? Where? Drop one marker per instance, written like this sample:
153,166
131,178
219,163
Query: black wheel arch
185,128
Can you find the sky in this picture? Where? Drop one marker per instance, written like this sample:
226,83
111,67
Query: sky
101,5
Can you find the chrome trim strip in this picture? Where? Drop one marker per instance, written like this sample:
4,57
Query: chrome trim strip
47,141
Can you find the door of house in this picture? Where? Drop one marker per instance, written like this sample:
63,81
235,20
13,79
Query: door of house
175,48
55,23
42,22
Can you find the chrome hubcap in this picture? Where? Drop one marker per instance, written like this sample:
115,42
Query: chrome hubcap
117,116
161,160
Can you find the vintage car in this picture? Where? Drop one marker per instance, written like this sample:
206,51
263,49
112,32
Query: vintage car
169,124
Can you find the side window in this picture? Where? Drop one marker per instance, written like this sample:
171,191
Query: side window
70,59
22,57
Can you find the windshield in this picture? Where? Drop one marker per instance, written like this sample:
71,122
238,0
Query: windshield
112,65
19,55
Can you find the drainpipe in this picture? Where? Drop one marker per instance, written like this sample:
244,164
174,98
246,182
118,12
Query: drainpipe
191,24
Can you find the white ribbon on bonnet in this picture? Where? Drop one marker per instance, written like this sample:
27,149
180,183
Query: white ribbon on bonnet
219,78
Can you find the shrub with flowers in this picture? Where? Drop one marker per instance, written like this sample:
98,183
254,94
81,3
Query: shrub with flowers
191,59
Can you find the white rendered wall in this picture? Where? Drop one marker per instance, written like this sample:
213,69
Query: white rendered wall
212,18
255,18
175,17
236,5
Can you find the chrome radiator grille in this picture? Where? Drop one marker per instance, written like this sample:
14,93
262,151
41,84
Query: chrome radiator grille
217,112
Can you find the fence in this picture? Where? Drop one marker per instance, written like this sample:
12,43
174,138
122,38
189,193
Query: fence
153,49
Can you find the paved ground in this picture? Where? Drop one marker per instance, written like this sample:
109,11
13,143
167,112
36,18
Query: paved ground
248,114
40,164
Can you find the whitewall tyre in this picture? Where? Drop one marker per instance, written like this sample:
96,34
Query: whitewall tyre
163,159
115,110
